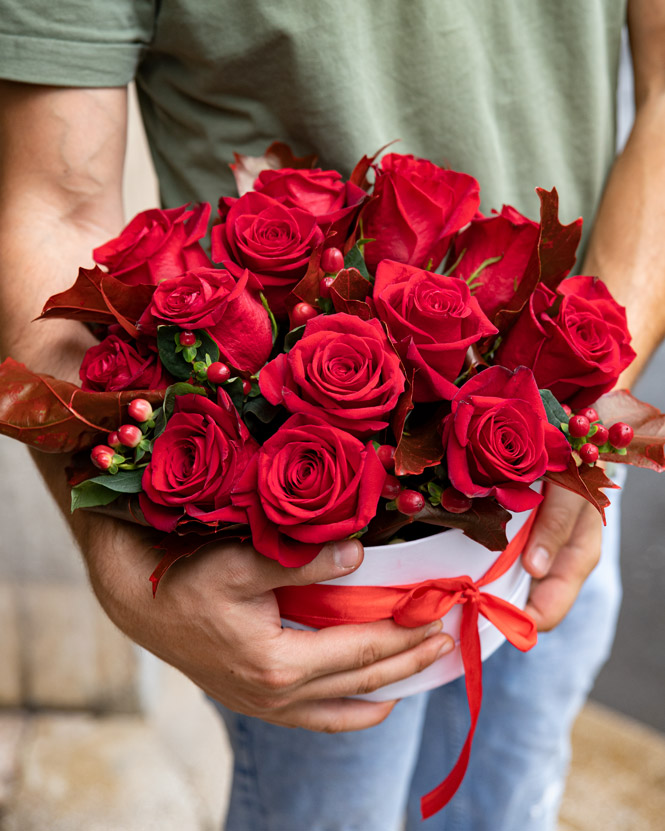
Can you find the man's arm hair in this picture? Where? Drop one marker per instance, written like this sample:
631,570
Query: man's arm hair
61,161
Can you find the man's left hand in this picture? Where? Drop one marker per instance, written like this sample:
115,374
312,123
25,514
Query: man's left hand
563,549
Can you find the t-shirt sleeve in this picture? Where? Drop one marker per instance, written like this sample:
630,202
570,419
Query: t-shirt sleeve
81,43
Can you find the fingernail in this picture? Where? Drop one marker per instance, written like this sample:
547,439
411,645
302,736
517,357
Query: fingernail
447,647
346,554
540,559
435,627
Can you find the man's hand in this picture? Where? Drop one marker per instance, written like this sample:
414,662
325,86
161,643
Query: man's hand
216,618
563,549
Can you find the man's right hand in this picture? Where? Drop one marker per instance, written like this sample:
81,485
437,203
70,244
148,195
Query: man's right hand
215,617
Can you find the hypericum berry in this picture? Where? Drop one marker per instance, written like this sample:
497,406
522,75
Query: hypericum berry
218,373
391,487
246,387
302,312
601,436
590,413
130,435
567,410
410,502
113,439
454,501
102,456
140,409
589,453
332,260
187,339
621,435
579,426
325,284
386,454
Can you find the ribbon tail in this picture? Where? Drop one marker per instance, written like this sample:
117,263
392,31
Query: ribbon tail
515,624
440,796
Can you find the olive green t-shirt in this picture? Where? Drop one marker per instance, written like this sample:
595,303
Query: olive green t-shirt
519,93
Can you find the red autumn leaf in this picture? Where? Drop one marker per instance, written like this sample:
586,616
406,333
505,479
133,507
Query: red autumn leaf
56,416
97,297
359,173
247,168
349,292
586,481
647,449
307,290
402,410
485,523
552,260
420,448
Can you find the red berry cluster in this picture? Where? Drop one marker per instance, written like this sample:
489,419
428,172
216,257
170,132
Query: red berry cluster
109,457
585,424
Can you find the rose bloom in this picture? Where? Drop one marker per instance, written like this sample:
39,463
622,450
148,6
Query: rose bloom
433,319
342,370
270,239
309,484
417,207
334,203
230,311
157,244
118,364
508,235
575,340
196,462
498,441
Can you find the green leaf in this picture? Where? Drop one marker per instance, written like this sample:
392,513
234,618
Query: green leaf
125,481
556,415
273,322
355,259
90,495
293,337
169,398
261,409
236,394
174,362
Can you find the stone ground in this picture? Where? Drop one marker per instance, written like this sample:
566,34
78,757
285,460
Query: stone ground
77,772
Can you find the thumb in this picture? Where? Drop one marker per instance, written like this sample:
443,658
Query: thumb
552,529
334,560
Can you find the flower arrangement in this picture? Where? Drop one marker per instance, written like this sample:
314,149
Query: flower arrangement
349,360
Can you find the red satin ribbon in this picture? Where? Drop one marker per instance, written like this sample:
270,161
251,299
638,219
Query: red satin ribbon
322,605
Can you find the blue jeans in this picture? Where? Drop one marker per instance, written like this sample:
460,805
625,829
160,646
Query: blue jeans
297,780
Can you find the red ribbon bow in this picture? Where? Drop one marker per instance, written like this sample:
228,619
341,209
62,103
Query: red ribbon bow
323,605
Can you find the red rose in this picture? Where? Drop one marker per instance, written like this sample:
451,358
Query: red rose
497,438
229,310
196,463
508,235
309,484
417,207
273,241
433,319
575,340
156,245
333,202
117,364
342,370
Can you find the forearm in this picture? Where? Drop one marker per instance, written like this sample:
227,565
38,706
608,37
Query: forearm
627,246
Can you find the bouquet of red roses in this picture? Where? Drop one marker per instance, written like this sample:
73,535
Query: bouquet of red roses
350,360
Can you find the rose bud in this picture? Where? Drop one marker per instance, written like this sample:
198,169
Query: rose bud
621,435
140,409
410,502
130,435
102,456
